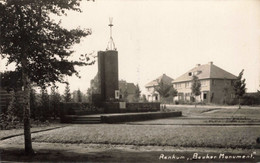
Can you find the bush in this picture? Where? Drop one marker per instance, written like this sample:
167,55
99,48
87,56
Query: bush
9,119
250,100
232,101
184,102
74,108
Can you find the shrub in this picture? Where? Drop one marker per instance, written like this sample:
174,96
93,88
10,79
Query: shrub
250,100
9,119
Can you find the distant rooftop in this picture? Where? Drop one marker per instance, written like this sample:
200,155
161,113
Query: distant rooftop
129,87
163,78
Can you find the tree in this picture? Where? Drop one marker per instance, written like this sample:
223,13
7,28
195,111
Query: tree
163,89
77,96
44,105
55,99
95,85
11,80
33,104
225,91
39,46
125,95
67,94
173,92
195,87
143,98
11,110
240,87
89,95
137,93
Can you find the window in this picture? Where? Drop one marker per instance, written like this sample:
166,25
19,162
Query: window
190,73
204,96
187,94
187,84
177,85
117,94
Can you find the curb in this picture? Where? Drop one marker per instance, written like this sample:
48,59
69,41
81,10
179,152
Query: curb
198,124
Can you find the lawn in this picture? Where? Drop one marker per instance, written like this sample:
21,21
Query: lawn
165,134
217,111
161,135
7,133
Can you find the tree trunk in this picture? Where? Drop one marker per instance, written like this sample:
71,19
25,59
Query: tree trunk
26,108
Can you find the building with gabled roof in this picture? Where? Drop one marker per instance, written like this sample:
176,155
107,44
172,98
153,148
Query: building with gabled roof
151,94
127,91
216,84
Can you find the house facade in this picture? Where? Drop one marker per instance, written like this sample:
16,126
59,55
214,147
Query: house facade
216,84
151,94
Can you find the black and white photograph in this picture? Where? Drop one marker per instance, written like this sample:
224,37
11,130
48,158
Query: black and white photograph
130,81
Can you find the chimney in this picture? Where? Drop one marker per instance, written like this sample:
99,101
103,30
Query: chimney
197,65
211,63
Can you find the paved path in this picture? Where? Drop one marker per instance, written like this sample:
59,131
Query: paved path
124,153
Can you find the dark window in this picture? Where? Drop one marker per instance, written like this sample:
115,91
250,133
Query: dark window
205,96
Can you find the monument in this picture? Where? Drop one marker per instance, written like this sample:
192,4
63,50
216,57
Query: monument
108,73
107,96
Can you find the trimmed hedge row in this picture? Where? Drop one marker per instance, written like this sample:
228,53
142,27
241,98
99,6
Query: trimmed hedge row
142,107
114,107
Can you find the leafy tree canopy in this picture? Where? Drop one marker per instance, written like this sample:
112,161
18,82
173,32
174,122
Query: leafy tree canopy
38,45
26,29
11,80
173,92
163,89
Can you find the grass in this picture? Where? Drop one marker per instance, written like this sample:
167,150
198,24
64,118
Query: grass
218,111
161,135
11,132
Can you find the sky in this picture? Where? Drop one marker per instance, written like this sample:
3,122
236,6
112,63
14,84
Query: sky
154,37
